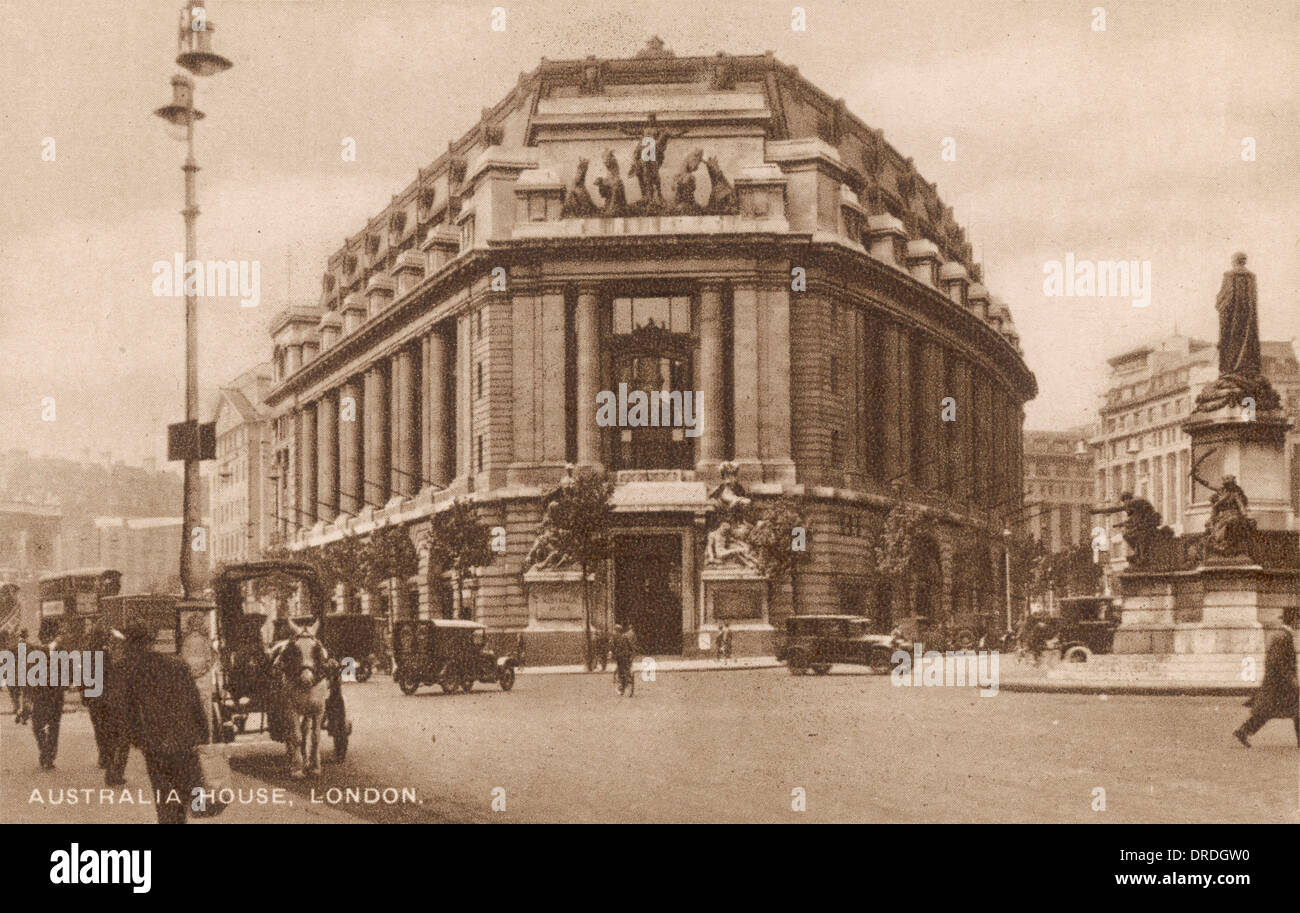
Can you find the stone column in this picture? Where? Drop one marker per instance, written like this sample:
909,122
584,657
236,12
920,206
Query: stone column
774,384
587,332
406,454
710,375
307,453
896,388
326,458
963,480
351,491
552,422
744,371
375,421
933,456
437,440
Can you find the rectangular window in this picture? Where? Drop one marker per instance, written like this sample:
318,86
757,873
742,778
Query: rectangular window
479,448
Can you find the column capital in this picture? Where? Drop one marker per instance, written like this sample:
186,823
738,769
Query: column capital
589,289
712,285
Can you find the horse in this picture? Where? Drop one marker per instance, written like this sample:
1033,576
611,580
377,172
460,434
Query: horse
304,687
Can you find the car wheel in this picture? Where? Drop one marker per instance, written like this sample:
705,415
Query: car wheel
879,663
966,639
821,668
467,684
1077,654
798,662
408,685
507,678
364,671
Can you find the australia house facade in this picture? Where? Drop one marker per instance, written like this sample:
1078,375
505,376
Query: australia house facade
711,225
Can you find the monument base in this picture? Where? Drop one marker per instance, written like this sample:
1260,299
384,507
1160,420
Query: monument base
738,597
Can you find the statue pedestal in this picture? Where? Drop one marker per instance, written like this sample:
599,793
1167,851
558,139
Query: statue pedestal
556,631
1251,449
737,596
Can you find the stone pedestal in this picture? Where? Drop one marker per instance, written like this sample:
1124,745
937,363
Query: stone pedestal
554,599
737,596
1212,610
1237,441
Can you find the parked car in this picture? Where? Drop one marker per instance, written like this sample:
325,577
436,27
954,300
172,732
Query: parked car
1085,625
448,652
817,642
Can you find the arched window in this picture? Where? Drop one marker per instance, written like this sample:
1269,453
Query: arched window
652,346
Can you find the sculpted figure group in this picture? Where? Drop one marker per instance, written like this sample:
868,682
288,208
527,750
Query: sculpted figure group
648,156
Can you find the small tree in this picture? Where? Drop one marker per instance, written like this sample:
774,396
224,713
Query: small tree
580,522
389,555
456,541
781,537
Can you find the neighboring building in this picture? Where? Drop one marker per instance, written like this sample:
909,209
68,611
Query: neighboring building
1139,445
145,549
1058,487
242,498
29,547
87,488
790,268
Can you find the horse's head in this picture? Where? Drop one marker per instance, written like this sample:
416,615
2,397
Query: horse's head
303,658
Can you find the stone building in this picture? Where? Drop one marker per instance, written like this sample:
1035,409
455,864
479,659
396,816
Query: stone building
242,508
1058,488
707,225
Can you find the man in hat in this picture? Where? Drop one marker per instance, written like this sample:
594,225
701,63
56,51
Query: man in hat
1278,697
166,720
623,647
107,709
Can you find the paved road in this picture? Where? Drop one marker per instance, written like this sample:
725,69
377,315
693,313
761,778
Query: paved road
708,746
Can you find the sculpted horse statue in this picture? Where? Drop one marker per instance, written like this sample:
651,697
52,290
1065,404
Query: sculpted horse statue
304,682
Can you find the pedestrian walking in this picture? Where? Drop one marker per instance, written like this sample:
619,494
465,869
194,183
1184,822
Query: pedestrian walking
166,720
1278,696
724,643
46,705
107,710
16,693
599,647
624,649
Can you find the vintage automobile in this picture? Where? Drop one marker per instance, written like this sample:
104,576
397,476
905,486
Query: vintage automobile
448,652
816,642
1085,625
354,637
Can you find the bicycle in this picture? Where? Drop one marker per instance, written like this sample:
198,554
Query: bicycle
625,680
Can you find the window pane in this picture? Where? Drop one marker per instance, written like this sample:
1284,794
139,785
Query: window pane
681,308
648,310
623,315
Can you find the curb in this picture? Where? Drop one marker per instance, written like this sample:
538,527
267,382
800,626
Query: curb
671,667
1171,689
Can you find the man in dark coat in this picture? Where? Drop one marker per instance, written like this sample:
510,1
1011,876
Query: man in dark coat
623,647
107,710
45,705
166,720
1278,696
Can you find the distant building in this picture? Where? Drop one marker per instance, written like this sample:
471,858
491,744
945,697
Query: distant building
29,547
242,497
1138,444
90,488
145,549
1058,487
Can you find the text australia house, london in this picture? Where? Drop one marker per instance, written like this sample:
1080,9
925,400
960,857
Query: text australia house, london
775,257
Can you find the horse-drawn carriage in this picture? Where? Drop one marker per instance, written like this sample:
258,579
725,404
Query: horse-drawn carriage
292,684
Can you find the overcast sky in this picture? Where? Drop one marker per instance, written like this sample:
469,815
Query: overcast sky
1123,144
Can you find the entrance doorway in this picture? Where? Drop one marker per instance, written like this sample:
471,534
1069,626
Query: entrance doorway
648,590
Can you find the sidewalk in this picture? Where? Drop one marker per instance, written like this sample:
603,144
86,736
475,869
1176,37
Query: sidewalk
1108,674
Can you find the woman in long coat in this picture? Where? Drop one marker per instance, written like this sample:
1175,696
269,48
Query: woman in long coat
1278,696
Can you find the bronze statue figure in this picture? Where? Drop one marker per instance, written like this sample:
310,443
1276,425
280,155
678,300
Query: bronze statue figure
1142,527
1240,367
613,196
722,196
578,202
684,184
645,162
1229,530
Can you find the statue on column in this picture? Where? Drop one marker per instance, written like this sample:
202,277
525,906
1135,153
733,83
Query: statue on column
1240,367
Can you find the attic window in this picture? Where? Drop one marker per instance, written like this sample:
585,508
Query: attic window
372,244
427,196
350,263
397,222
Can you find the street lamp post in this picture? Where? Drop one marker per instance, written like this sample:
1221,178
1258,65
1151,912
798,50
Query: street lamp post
195,54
